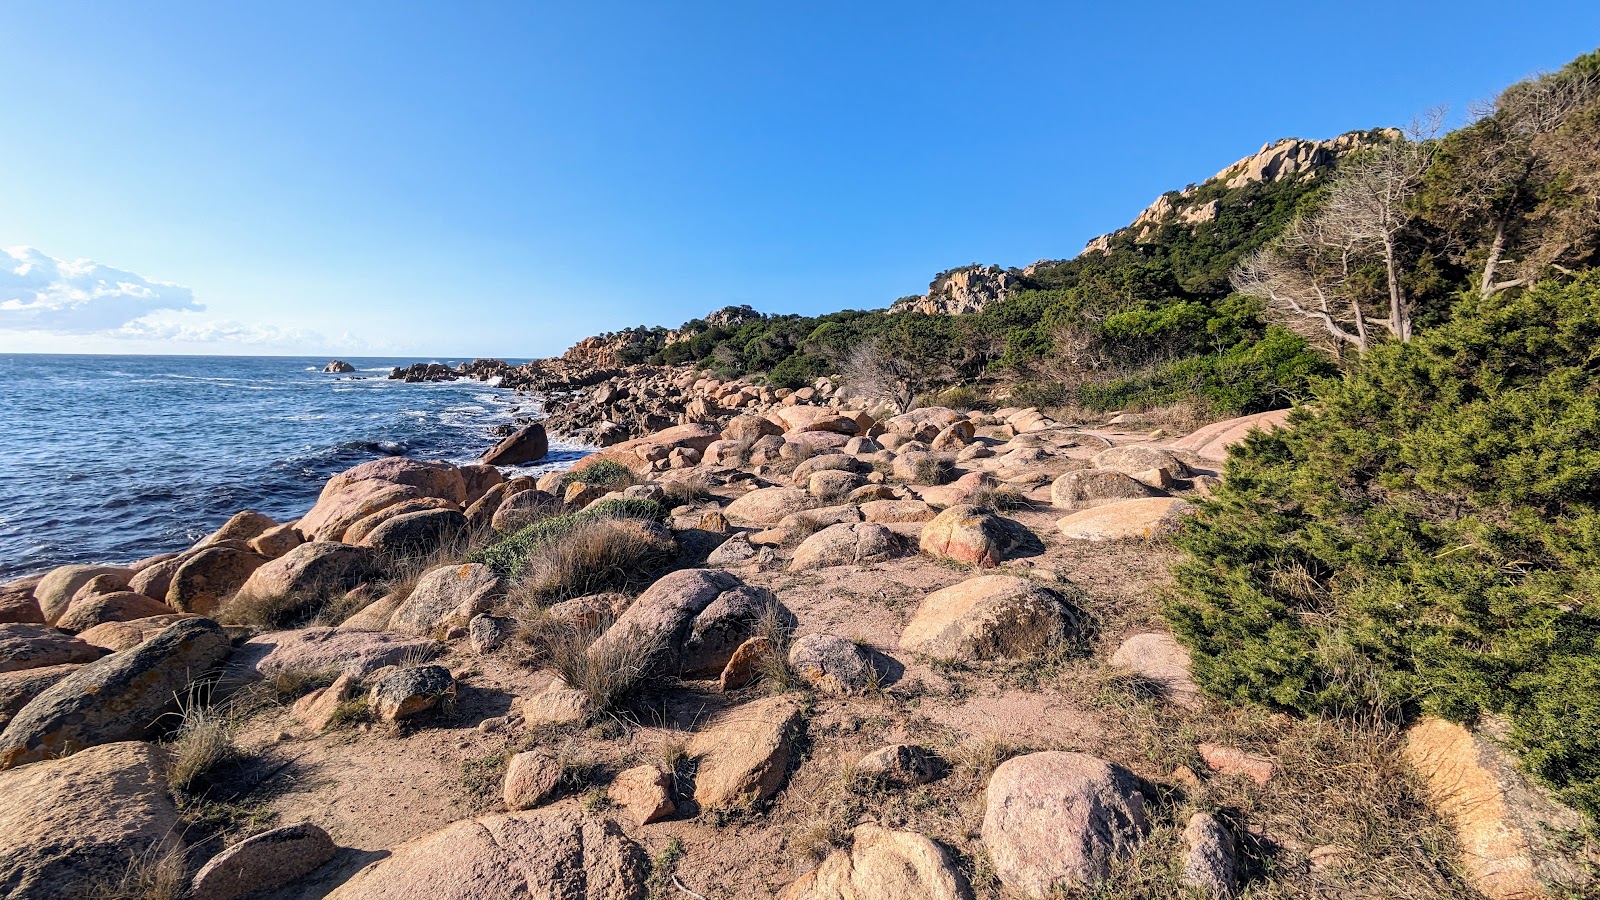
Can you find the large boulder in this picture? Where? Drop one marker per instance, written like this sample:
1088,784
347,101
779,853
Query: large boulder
311,571
767,506
1093,487
887,511
970,535
749,428
690,622
988,617
263,861
155,580
798,419
525,445
205,579
1125,520
19,687
744,755
118,636
57,588
546,854
357,533
276,541
17,603
520,508
1055,821
479,479
359,492
71,828
416,534
130,695
847,544
453,593
97,609
24,646
1134,459
244,526
1213,441
1507,827
329,651
881,864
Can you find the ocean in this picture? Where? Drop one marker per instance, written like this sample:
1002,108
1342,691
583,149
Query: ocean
114,458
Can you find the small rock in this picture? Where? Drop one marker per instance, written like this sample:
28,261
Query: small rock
883,865
902,764
645,793
1233,761
1161,660
744,755
832,664
531,780
262,862
407,692
489,633
555,704
317,709
746,664
988,617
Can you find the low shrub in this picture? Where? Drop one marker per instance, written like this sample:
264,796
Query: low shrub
510,555
605,473
1424,539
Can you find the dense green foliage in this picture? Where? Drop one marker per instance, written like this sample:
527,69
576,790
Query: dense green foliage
509,555
605,473
1426,537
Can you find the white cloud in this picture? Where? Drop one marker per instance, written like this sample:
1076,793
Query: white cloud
42,293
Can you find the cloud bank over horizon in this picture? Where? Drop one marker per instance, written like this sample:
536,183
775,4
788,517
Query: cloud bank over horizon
42,295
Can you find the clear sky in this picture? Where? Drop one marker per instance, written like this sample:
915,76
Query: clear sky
465,178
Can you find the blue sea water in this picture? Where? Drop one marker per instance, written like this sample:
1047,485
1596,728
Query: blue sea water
114,458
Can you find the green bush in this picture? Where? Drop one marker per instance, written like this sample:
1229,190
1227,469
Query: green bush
606,473
509,555
1425,538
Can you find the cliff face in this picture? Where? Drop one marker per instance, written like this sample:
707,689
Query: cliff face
964,290
1289,158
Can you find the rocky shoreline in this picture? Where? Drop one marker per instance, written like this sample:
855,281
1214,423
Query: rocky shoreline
763,643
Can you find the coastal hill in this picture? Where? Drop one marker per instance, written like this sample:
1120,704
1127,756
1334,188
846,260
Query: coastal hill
1251,552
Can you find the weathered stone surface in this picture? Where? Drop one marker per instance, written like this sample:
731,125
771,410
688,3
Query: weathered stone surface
525,445
883,865
1094,487
417,534
1234,761
832,664
1161,660
479,479
532,778
886,511
592,612
453,593
1213,441
832,484
358,533
988,617
849,544
746,664
88,611
962,490
1125,519
749,428
744,755
57,588
766,506
18,688
1507,827
17,603
118,636
969,535
312,571
486,633
1131,459
208,577
902,764
1210,864
410,691
359,492
826,462
326,650
262,862
813,418
70,826
555,704
244,526
644,793
278,540
522,507
1054,821
318,709
922,467
124,696
542,854
25,646
735,551
693,619
155,580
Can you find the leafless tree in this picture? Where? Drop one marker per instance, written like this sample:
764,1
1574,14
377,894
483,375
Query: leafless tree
1307,280
876,375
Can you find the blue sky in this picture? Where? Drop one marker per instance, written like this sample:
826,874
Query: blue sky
504,178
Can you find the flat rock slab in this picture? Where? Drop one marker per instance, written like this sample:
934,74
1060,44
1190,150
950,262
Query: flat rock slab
30,646
745,754
327,650
263,861
1126,519
1161,660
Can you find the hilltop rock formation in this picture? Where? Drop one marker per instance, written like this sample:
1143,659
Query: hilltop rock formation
964,290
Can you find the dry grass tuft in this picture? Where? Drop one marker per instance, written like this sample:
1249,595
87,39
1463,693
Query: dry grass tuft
161,872
609,675
595,556
683,491
203,741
